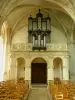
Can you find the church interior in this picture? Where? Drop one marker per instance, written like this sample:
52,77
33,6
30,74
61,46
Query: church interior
37,49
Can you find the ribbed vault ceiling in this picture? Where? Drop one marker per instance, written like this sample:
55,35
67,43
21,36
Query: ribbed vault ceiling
16,13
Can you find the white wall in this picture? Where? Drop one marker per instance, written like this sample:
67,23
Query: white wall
57,36
21,36
58,73
20,72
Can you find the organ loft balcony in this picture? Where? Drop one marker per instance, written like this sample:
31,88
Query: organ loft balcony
29,46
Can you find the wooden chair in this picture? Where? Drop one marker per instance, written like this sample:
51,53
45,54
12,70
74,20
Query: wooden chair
59,96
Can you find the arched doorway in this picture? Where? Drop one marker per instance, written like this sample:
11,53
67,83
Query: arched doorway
58,71
39,71
20,68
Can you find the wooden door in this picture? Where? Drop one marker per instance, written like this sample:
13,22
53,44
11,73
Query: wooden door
39,73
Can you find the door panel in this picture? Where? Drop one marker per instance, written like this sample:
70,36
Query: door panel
39,73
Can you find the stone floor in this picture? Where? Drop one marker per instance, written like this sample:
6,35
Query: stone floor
38,93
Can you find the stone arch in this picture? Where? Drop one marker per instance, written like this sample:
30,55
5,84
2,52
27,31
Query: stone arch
39,70
19,56
44,58
57,62
38,60
58,70
20,64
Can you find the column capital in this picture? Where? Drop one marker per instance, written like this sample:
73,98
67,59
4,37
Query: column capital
66,57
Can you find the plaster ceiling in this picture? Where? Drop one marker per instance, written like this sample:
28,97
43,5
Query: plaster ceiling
16,12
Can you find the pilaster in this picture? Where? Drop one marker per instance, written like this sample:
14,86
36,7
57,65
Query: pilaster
50,71
66,68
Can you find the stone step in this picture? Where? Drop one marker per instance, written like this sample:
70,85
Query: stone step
38,93
39,85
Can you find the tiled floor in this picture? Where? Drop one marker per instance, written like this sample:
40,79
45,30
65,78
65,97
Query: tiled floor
38,93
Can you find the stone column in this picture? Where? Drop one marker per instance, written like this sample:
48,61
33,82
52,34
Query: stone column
5,31
28,71
66,68
50,71
13,69
1,59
